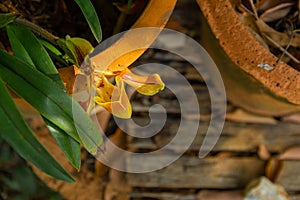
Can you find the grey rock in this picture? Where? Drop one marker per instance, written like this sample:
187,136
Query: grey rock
264,189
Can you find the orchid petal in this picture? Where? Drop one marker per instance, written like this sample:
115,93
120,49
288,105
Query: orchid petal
146,85
114,98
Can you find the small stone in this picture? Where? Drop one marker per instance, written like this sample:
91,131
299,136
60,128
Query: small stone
263,188
265,66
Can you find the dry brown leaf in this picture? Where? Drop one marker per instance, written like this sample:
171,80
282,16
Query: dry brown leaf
240,115
276,12
272,168
220,195
281,39
263,152
250,22
263,5
294,118
290,154
284,50
225,155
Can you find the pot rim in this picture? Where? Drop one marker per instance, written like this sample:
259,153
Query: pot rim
247,53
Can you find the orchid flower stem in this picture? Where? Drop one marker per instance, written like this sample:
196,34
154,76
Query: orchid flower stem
120,23
37,29
122,18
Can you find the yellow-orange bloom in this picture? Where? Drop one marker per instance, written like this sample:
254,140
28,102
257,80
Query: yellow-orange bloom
114,98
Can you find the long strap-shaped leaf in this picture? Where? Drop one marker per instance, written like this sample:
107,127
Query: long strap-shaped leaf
67,144
29,49
53,103
16,132
91,17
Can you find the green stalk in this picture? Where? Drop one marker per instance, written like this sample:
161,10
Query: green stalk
120,22
37,29
122,18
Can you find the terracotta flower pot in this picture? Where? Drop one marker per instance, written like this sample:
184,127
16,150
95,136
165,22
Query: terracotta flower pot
238,54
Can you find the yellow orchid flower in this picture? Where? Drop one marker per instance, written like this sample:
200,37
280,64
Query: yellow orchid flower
114,98
146,85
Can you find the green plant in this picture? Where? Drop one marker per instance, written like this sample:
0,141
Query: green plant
17,180
30,72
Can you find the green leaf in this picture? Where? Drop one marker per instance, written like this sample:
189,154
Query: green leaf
53,103
54,53
22,179
68,54
69,146
16,132
22,40
23,50
18,48
6,18
79,49
49,46
91,17
76,49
